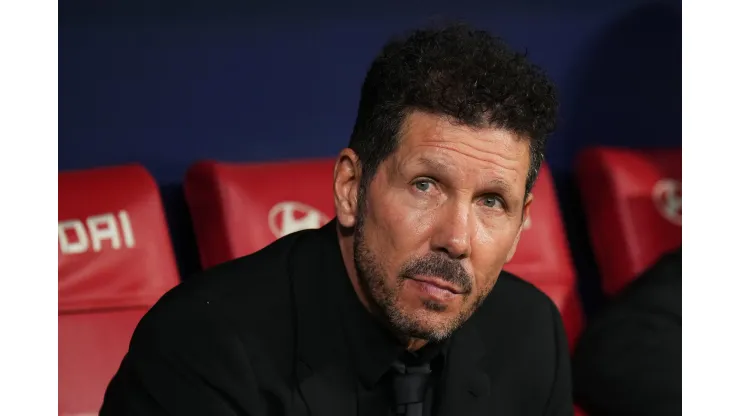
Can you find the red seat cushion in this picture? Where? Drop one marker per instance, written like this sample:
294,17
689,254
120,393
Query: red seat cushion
239,208
632,200
543,257
91,346
115,260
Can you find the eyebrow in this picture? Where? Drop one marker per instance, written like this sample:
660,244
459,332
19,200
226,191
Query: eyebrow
438,166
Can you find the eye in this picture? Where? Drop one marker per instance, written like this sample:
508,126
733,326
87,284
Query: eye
491,201
423,185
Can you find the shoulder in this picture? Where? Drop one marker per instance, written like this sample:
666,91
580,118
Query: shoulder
512,294
657,288
246,283
247,300
520,312
651,303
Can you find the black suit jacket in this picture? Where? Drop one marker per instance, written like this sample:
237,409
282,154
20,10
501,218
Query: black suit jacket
628,360
260,336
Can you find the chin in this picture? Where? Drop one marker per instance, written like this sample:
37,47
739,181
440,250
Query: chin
430,333
433,322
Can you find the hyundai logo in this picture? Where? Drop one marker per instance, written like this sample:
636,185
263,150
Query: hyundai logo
667,199
289,216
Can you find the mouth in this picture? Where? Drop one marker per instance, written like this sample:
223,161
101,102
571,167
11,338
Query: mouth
437,282
439,289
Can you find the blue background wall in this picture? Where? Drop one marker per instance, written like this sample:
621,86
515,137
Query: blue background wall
168,83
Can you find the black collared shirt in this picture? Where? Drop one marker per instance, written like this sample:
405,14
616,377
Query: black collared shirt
373,349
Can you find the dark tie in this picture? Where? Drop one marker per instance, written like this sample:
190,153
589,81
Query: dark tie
409,386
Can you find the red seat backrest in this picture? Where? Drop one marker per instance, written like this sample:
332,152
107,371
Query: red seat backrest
115,261
239,208
543,257
632,200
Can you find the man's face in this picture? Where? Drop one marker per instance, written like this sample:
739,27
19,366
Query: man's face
438,222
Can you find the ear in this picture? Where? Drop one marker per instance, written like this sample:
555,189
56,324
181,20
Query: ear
525,220
347,174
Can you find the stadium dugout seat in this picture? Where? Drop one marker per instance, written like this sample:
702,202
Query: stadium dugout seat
239,208
543,256
632,200
115,261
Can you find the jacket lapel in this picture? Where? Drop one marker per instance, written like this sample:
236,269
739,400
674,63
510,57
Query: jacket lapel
322,370
466,389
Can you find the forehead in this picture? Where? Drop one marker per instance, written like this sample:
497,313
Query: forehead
483,151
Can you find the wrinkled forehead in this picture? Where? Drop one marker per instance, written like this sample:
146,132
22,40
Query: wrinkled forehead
484,153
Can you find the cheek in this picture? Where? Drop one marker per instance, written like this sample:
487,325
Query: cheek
488,256
398,229
494,235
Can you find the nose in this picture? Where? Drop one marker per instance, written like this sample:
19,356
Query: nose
453,231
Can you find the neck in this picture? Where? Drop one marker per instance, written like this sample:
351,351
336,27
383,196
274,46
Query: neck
346,245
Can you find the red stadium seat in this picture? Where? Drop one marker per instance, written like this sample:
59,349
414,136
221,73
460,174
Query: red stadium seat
543,257
239,208
633,207
115,261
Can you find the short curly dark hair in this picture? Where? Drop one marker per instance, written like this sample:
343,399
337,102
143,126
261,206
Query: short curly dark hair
456,71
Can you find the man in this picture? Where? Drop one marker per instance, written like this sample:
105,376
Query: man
628,360
399,305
